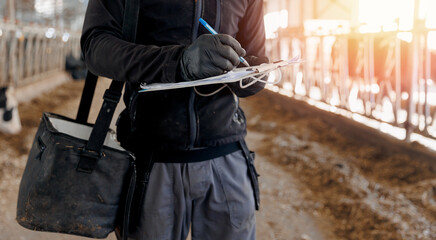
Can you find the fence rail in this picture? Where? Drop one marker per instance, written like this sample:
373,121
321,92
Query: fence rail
28,53
376,75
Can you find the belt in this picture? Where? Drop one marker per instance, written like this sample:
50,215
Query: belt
196,155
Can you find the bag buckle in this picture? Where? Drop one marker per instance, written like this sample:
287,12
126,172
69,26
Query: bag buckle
88,161
111,96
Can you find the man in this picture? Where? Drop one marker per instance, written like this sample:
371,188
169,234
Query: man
201,178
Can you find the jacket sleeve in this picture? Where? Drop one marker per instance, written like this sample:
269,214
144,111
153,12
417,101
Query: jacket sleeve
251,35
106,54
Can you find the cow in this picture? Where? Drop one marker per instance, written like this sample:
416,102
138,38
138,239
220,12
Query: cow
9,118
384,60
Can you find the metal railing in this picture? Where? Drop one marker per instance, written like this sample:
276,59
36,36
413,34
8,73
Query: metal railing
376,75
28,52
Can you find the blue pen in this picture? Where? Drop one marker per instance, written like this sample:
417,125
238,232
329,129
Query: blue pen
211,30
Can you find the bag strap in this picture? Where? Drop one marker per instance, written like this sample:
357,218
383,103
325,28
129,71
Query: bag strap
86,100
92,152
131,14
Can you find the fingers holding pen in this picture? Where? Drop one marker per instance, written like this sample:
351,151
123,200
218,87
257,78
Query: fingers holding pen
233,43
225,39
210,55
228,54
222,55
224,64
229,49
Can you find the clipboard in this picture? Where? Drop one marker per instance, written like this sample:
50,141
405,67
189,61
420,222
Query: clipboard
232,76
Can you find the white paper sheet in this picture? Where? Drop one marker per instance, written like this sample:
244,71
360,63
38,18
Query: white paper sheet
232,76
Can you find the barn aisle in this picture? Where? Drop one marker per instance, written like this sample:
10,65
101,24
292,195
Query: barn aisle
322,176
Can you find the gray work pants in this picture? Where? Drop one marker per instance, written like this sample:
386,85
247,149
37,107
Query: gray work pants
214,198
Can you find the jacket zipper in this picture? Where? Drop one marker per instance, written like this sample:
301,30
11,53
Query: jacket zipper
193,116
218,16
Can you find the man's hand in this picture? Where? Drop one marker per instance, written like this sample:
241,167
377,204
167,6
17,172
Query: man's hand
210,55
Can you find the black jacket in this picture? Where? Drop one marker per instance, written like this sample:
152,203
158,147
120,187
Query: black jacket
174,119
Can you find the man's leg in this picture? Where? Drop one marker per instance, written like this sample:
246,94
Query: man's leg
165,212
224,207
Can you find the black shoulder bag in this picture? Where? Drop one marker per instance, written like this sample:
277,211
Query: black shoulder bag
78,180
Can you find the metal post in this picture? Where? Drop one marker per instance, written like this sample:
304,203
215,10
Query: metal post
3,58
37,55
371,71
322,69
420,79
29,54
11,4
397,79
426,79
414,68
13,74
308,75
344,72
44,50
413,81
20,66
365,94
